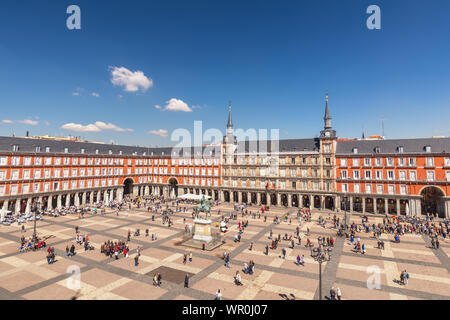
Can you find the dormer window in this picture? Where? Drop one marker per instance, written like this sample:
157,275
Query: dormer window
427,148
400,149
38,149
120,152
96,151
66,150
83,151
144,154
110,151
15,147
377,149
47,149
355,150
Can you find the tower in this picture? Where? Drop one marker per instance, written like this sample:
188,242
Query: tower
229,138
327,131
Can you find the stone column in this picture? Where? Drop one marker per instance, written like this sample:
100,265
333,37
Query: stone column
386,206
289,198
58,201
239,196
337,203
17,206
322,202
397,206
278,198
258,197
77,200
374,201
351,203
249,197
67,200
5,205
418,208
363,205
28,207
83,199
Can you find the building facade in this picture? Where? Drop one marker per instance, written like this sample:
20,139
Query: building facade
398,177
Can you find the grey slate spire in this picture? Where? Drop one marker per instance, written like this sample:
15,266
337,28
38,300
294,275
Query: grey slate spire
230,123
327,117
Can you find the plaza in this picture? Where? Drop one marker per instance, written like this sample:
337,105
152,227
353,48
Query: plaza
26,275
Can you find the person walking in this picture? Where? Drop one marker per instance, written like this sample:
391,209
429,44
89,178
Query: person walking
338,292
136,260
186,281
218,295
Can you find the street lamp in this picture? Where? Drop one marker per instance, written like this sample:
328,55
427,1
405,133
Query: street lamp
321,255
35,209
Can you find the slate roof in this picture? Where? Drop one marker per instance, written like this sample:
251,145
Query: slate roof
286,145
28,145
391,146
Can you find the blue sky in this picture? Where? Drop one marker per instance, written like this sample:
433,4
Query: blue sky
272,59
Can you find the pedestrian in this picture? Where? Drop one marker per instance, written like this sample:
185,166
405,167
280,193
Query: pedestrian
218,295
136,260
186,281
190,256
338,292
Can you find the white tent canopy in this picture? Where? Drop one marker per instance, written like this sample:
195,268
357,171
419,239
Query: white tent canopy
3,213
197,197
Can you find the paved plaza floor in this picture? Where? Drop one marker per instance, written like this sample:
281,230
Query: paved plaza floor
28,276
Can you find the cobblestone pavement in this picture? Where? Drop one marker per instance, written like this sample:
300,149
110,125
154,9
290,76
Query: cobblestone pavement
28,276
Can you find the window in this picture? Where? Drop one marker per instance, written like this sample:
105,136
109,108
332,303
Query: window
403,189
427,148
368,188
390,162
47,149
402,175
412,175
367,162
356,188
344,174
378,162
66,150
2,175
400,149
15,161
430,175
355,150
14,189
15,148
401,162
447,175
15,175
379,175
355,162
447,162
344,187
3,161
343,162
368,174
379,188
412,162
83,151
429,162
377,150
391,189
356,174
391,175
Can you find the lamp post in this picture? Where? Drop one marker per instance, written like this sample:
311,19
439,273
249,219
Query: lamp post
320,255
35,209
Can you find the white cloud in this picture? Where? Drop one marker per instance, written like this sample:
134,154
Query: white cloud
131,81
7,121
95,94
28,121
177,105
158,107
94,127
160,132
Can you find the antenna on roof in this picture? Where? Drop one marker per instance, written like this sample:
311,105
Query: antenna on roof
382,127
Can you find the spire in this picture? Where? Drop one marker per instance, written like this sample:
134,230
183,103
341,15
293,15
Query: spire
230,123
363,136
327,116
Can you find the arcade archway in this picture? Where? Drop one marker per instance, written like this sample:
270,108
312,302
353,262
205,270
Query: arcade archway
433,201
128,186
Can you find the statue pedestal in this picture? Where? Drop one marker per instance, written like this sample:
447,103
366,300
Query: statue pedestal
202,230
